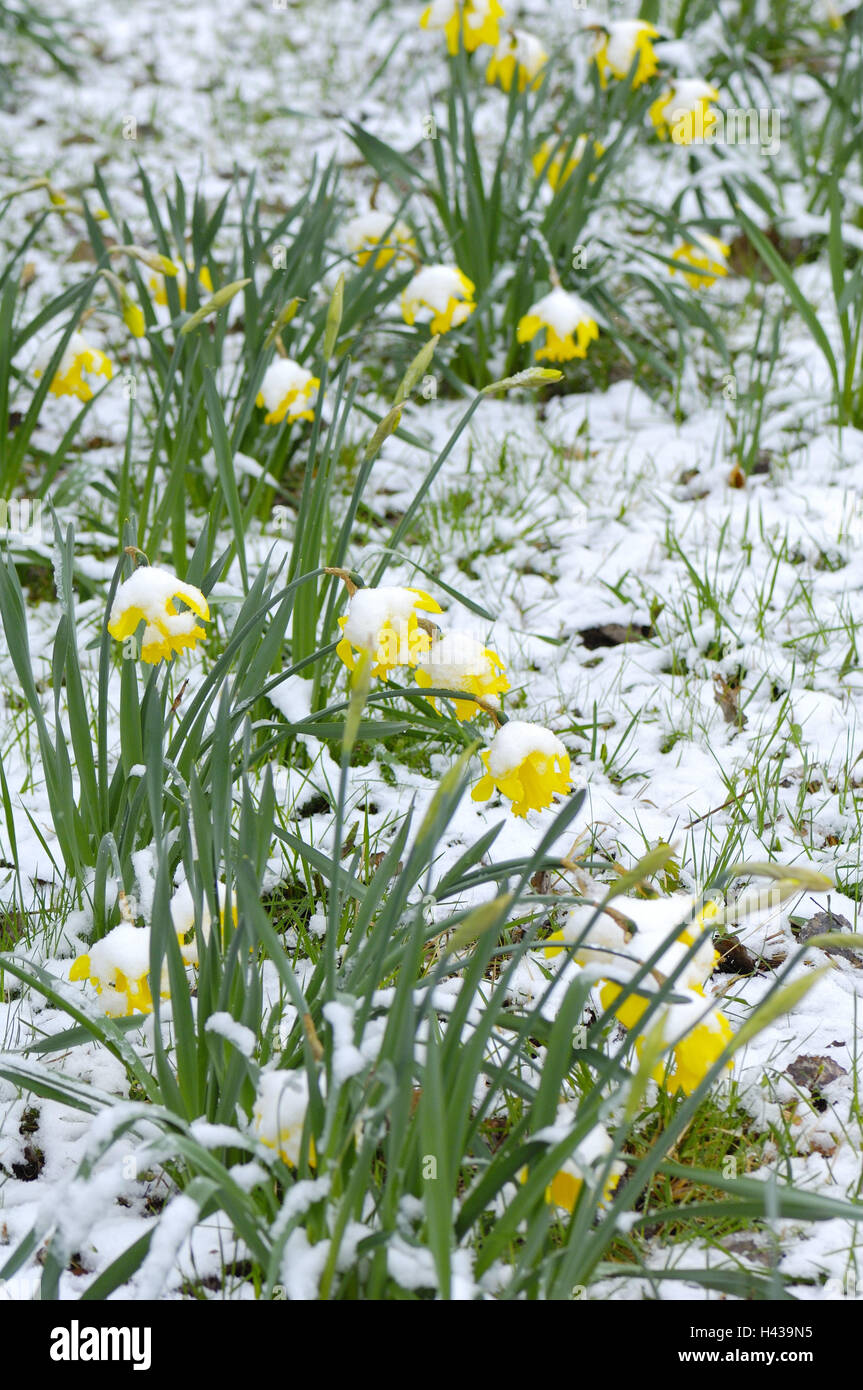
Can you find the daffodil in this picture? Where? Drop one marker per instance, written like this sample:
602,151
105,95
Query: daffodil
568,322
616,46
527,764
588,1157
119,968
288,390
518,57
476,21
706,255
377,234
79,361
148,596
383,624
557,173
133,317
280,1114
457,661
683,111
439,294
159,286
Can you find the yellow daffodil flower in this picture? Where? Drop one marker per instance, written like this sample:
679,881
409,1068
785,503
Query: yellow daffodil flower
280,1114
288,390
475,21
439,294
568,322
148,596
383,624
706,255
520,56
160,292
119,968
616,46
456,661
372,230
527,764
553,166
565,1187
79,361
683,111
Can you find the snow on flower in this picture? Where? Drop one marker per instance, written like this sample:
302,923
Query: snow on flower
158,283
707,256
616,46
520,55
552,164
457,661
280,1114
119,967
383,623
584,1164
683,111
475,20
373,230
439,294
288,390
148,596
568,322
527,764
79,361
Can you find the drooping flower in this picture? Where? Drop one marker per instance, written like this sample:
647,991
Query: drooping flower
159,287
288,390
457,661
475,20
280,1114
380,230
520,56
553,165
568,322
148,596
133,317
119,967
683,111
706,255
617,44
441,295
527,764
79,361
383,624
583,1164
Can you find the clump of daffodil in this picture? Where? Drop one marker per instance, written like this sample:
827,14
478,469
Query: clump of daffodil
377,234
683,111
181,274
440,295
119,968
288,390
552,165
383,623
519,57
79,362
705,256
280,1114
588,1157
148,596
527,764
475,21
568,322
616,45
457,661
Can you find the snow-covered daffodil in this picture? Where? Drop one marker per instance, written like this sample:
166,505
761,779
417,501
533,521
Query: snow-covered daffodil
119,967
383,624
476,21
518,57
552,165
441,295
568,322
701,259
148,596
683,111
79,362
280,1114
377,234
527,764
615,48
588,1157
457,661
288,390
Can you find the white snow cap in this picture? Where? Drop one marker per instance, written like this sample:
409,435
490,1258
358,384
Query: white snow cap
711,245
281,377
525,48
623,35
655,919
371,608
435,286
76,347
151,589
516,741
374,226
686,95
562,310
280,1111
125,949
453,656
